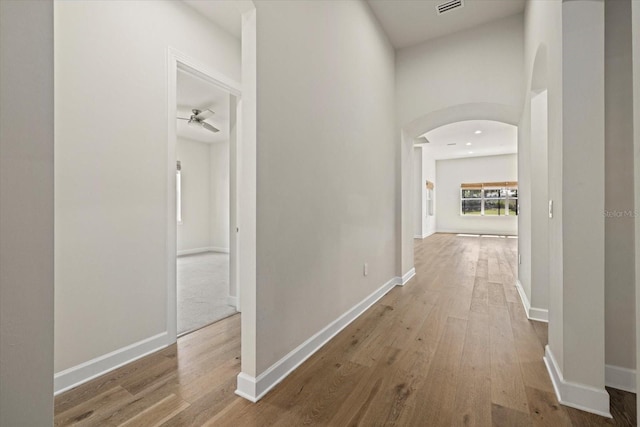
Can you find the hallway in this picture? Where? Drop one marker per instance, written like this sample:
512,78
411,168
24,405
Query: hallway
452,347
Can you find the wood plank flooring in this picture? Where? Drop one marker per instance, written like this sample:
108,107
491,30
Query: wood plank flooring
451,348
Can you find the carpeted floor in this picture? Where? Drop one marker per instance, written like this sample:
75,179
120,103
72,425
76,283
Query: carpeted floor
203,287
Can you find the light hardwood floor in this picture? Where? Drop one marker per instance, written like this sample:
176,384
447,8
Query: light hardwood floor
453,347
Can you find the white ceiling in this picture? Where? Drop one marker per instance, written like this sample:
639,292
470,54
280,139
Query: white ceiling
496,138
406,22
410,22
193,92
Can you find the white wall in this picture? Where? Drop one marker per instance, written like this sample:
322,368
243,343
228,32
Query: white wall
419,199
327,174
543,32
195,161
537,204
111,184
424,170
480,65
26,213
219,196
571,36
451,173
429,174
619,200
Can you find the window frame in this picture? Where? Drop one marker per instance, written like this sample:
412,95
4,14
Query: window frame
503,196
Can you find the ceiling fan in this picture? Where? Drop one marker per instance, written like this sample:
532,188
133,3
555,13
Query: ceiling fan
198,118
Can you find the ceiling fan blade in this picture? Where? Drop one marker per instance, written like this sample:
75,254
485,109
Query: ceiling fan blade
182,118
204,114
208,127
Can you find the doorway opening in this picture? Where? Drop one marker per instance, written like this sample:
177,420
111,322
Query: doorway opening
203,141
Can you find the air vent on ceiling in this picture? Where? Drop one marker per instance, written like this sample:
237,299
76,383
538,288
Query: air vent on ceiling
449,5
451,143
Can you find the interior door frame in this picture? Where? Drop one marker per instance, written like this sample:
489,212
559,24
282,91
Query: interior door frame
179,61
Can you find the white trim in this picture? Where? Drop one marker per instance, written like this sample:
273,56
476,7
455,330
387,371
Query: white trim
233,301
496,233
424,236
193,251
579,396
620,378
407,276
74,376
533,313
202,250
253,389
218,249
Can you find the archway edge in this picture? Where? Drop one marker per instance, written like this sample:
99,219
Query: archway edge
458,113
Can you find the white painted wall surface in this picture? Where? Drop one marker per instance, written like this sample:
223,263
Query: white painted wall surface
543,28
429,173
419,194
424,170
619,200
195,230
482,64
111,166
219,196
451,173
26,213
327,174
539,206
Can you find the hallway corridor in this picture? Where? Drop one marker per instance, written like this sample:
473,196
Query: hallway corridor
452,347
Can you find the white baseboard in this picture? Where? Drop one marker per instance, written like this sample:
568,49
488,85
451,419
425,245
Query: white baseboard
407,276
579,396
217,249
620,378
423,236
232,301
485,232
73,377
533,313
253,389
203,250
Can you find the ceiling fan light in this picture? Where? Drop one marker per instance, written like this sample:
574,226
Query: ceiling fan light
194,123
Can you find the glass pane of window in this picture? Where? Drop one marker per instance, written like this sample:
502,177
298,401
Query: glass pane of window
471,207
471,194
494,207
513,207
494,193
512,192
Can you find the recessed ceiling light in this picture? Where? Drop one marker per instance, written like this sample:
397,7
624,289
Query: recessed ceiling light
478,132
468,143
470,152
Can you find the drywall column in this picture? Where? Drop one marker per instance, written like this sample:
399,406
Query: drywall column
524,200
247,199
26,213
419,194
406,177
575,354
635,27
539,207
619,222
234,133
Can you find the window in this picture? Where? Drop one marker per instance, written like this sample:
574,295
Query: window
489,199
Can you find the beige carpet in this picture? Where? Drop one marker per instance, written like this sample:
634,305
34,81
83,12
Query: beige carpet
203,286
